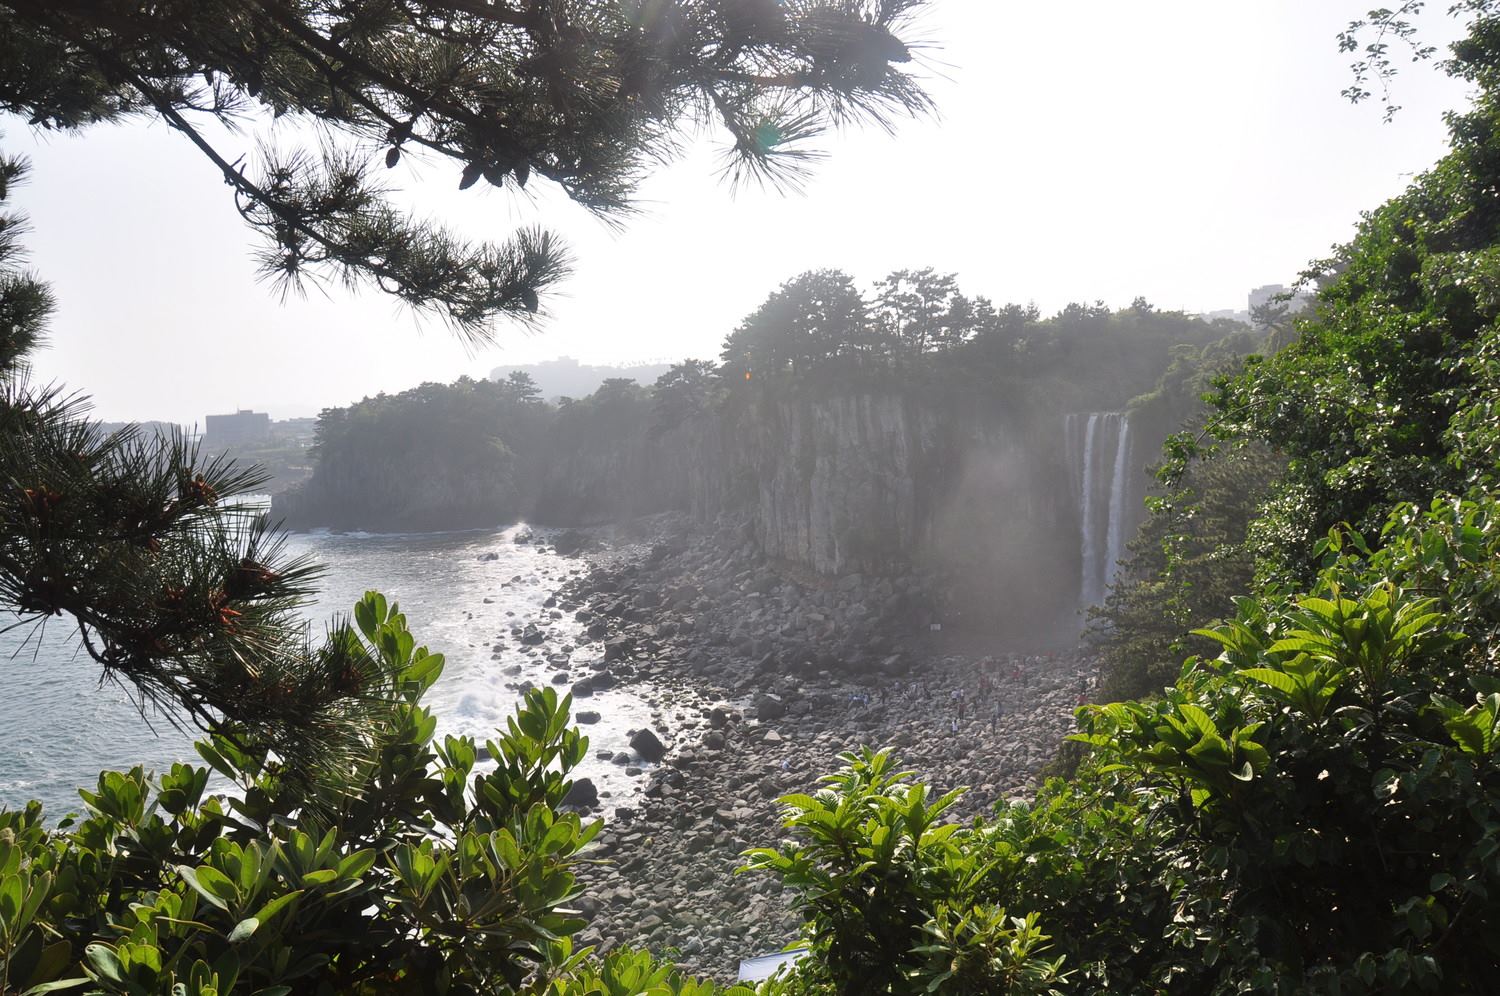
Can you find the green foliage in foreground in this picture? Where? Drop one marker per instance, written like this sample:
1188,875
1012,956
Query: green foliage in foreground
434,878
1317,810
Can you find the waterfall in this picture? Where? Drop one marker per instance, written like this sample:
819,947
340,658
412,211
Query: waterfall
1090,552
1098,447
1118,496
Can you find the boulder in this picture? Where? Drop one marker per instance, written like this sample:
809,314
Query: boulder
570,542
647,745
769,707
588,717
582,794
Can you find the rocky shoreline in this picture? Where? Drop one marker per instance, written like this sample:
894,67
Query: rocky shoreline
759,675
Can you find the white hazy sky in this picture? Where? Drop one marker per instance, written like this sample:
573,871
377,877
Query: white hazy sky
1179,149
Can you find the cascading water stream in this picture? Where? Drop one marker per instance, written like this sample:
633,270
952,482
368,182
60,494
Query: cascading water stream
1098,445
1115,541
1090,553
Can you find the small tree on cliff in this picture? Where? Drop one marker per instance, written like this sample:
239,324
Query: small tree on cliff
523,387
175,589
685,390
810,318
917,311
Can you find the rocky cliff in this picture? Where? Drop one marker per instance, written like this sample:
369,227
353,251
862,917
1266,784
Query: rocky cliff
858,482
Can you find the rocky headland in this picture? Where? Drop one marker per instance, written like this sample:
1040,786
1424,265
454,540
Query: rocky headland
759,676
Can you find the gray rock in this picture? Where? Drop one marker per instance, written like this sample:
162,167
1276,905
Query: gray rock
769,707
647,745
582,794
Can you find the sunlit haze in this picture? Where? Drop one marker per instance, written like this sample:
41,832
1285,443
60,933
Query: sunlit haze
1182,150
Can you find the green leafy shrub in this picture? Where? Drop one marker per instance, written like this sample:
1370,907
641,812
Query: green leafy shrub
1316,810
427,877
894,899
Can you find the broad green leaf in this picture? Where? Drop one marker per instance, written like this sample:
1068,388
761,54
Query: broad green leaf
1279,680
276,905
105,962
191,877
54,986
1198,718
243,930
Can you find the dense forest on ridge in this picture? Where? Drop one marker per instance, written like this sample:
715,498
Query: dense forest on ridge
477,453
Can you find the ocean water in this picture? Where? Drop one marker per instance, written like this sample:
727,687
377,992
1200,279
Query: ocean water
59,726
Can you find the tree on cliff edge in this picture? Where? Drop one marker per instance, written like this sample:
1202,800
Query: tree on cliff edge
174,588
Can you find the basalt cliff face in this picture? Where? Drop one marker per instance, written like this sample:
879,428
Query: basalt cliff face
866,482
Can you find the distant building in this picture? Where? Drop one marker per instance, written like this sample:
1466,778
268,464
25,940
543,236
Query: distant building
1259,296
220,432
1228,314
298,431
1263,295
1270,293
